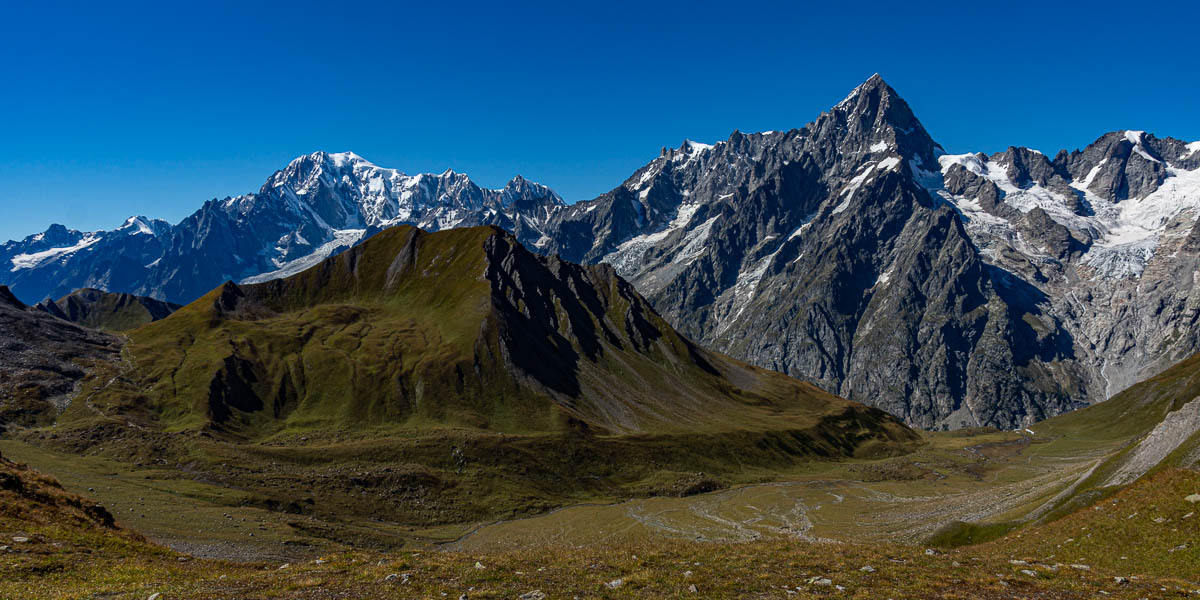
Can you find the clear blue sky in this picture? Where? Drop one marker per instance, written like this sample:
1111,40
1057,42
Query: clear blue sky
108,111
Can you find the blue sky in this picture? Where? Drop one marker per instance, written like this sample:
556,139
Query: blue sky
108,111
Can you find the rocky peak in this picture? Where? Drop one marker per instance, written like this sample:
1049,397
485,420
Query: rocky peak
527,195
1118,166
875,118
8,299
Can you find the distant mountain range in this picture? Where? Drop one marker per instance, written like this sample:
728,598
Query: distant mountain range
319,205
853,252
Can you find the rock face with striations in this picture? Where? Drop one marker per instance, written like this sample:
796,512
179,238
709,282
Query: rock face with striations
818,252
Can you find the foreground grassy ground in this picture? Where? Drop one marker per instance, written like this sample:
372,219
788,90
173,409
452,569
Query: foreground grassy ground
54,544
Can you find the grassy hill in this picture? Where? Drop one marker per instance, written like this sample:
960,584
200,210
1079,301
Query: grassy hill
1157,420
107,311
462,328
449,377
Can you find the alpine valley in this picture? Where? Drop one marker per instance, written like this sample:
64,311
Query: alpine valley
951,291
833,361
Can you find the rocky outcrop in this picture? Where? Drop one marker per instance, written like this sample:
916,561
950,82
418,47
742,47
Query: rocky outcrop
1150,451
42,360
110,311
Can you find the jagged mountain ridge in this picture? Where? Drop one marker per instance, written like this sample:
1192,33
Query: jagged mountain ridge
817,252
464,328
854,252
318,205
829,253
110,311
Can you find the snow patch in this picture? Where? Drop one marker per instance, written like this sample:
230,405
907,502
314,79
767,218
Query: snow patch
1135,138
1126,234
37,259
342,239
885,277
879,146
139,225
695,242
627,258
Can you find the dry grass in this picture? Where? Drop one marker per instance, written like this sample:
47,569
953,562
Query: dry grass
70,555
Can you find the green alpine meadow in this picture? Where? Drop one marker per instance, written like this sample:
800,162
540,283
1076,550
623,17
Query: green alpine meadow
563,301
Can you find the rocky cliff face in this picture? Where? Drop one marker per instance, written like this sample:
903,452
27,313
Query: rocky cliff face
818,252
952,290
1106,235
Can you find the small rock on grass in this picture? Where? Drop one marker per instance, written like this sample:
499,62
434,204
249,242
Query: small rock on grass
534,595
614,584
1194,498
867,569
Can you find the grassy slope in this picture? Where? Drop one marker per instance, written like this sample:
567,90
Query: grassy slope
1107,432
110,311
74,557
420,378
413,330
1147,529
1123,420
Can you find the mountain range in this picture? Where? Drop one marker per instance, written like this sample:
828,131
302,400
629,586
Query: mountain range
463,327
461,376
854,252
317,206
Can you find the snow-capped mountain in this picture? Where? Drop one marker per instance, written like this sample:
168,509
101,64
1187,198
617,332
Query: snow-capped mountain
1108,235
950,290
817,252
318,205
